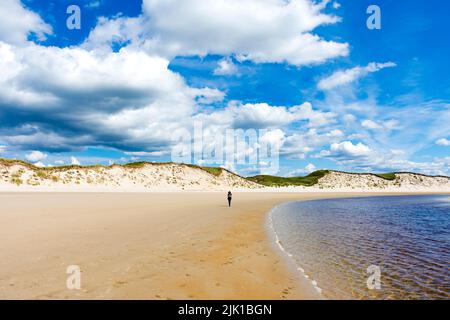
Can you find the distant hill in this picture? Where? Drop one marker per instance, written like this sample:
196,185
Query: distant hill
140,176
274,181
145,176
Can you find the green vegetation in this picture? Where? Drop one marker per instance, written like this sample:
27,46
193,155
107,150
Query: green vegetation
135,165
273,181
16,177
266,180
11,162
215,171
42,174
212,170
386,176
16,181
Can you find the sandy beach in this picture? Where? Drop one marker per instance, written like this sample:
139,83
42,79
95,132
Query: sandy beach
145,246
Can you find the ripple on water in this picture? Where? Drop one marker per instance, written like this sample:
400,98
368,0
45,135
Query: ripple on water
335,240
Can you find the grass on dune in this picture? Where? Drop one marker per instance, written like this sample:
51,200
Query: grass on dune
135,165
386,176
212,170
273,181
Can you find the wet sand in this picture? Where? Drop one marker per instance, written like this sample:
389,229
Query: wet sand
145,246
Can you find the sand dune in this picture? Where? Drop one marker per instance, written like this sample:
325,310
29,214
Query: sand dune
20,176
163,177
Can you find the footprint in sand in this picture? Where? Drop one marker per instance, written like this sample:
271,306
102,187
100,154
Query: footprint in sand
120,283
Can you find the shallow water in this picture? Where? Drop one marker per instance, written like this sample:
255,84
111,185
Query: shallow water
334,241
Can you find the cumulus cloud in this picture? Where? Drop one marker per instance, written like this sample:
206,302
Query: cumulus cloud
300,144
74,161
39,164
226,67
257,30
17,23
35,156
63,99
346,150
389,162
128,100
306,170
443,142
75,97
262,115
343,77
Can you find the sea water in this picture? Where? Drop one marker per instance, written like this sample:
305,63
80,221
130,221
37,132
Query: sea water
333,242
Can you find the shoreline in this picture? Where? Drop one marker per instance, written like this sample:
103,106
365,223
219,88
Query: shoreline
182,245
293,266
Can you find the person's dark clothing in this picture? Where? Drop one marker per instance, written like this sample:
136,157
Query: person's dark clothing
229,198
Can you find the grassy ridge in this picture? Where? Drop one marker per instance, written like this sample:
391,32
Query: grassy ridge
215,171
307,181
273,181
386,176
265,180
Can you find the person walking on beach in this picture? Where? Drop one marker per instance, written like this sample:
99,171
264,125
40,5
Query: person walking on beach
230,195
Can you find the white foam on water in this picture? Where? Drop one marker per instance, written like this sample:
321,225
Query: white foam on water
280,246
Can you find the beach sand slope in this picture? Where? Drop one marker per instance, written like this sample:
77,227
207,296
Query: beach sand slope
145,246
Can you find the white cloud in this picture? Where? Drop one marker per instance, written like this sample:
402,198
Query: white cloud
299,144
263,115
146,154
59,162
336,5
93,4
343,77
74,161
257,30
17,23
225,67
208,95
370,124
387,163
346,149
35,156
310,168
349,117
39,164
128,95
306,170
273,137
443,142
119,30
375,125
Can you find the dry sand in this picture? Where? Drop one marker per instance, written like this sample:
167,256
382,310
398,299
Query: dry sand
145,246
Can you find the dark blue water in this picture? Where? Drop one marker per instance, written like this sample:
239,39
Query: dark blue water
334,241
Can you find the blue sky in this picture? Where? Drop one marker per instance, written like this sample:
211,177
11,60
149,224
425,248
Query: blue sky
329,92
